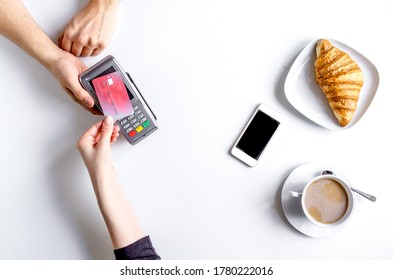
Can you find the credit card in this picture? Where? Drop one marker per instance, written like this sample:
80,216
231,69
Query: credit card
112,95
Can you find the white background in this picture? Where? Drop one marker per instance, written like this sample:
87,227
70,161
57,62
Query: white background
203,66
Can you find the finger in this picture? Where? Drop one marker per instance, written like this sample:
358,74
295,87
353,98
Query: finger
76,48
89,137
115,134
94,130
106,130
97,51
94,110
60,40
114,138
65,43
81,95
87,51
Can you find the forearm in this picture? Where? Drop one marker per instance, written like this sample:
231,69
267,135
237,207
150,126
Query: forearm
118,215
17,25
105,3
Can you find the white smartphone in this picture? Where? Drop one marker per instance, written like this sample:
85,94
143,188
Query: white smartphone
257,134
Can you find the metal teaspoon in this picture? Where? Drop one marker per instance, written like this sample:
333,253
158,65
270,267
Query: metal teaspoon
366,195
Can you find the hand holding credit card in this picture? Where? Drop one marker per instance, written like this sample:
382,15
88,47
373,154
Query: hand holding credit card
112,95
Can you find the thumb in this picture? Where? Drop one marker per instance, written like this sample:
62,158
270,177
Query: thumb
106,130
82,95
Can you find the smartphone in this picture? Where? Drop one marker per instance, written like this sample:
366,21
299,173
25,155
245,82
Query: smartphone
120,97
257,134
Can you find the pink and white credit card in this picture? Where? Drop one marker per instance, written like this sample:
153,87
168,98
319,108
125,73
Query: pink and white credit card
112,95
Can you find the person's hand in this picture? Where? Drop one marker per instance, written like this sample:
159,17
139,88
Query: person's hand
95,148
89,31
66,68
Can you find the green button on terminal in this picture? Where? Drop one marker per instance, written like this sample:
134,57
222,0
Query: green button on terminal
146,124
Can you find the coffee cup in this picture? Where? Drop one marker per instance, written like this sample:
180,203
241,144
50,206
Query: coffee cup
326,200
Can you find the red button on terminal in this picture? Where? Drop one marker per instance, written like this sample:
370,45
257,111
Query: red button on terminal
132,133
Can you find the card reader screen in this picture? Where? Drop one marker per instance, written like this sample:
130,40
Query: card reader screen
257,134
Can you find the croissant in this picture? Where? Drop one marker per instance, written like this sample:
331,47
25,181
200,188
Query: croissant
340,79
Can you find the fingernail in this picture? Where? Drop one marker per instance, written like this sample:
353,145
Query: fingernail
108,120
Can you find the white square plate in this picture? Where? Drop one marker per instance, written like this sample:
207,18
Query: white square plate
303,92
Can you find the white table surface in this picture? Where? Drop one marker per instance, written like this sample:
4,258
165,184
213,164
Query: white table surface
203,66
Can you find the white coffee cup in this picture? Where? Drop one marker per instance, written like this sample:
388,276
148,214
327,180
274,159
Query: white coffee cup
327,201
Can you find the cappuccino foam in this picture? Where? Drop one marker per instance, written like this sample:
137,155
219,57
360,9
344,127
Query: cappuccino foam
326,200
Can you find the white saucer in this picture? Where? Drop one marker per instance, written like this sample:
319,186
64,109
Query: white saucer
292,205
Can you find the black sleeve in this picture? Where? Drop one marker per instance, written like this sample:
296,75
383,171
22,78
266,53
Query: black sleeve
139,250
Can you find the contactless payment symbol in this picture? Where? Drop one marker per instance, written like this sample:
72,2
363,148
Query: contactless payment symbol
113,96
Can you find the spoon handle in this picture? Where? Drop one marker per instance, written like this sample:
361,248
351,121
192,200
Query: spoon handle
368,196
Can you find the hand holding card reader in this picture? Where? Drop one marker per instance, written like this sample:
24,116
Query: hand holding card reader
116,94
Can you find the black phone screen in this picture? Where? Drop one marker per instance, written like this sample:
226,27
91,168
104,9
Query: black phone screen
257,134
